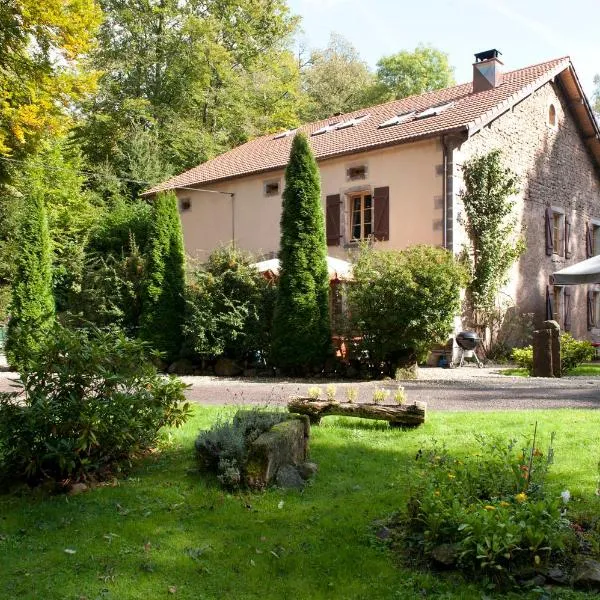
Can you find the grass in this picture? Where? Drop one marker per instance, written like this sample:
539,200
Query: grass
587,370
164,531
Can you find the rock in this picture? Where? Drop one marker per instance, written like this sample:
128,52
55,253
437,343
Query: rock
587,575
308,470
77,488
538,581
285,444
183,366
445,554
225,367
384,533
556,575
288,477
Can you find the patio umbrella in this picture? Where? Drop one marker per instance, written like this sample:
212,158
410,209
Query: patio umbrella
337,268
586,271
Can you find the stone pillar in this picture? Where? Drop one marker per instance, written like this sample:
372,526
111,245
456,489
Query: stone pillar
546,350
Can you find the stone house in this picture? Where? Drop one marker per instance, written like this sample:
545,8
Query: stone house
392,173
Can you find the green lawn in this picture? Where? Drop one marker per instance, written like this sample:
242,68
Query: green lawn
582,370
166,532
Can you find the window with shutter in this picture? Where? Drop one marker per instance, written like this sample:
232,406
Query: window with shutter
567,237
549,231
591,309
382,213
333,219
589,244
567,323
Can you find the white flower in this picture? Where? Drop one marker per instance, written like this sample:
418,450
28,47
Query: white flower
565,495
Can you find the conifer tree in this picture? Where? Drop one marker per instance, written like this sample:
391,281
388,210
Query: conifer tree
32,307
301,328
164,302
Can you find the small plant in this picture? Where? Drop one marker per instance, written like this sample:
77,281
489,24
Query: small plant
407,373
314,393
330,392
400,395
380,395
351,394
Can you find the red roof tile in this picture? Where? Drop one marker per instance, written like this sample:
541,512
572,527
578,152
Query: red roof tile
469,112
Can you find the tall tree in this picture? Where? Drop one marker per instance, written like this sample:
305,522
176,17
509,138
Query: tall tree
164,301
301,328
596,96
190,77
32,305
336,80
409,73
41,44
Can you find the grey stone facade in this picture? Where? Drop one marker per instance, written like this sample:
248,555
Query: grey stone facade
557,171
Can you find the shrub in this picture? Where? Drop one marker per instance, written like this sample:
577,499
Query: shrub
223,449
403,302
492,508
91,399
164,299
32,306
572,353
229,308
301,327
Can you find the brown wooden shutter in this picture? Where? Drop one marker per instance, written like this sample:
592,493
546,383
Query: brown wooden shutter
549,303
381,201
333,219
549,240
567,237
567,308
589,242
591,321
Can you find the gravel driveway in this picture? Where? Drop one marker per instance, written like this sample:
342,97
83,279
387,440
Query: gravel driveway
467,388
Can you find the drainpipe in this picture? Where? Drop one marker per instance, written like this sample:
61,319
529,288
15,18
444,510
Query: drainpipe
445,191
232,219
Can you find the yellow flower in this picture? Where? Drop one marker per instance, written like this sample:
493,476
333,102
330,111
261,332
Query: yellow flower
451,476
521,497
436,493
504,504
489,507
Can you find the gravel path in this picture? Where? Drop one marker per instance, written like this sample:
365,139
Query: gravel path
467,388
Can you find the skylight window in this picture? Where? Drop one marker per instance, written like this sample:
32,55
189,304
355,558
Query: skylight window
325,129
434,110
352,122
402,118
284,134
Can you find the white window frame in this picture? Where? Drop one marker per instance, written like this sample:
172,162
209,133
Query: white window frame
270,182
351,197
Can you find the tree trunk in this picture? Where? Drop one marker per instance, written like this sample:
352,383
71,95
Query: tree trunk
399,415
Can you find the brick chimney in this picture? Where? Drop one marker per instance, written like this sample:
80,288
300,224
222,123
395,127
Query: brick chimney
487,71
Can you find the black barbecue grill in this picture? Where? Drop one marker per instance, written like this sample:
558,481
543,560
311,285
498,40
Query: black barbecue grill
467,342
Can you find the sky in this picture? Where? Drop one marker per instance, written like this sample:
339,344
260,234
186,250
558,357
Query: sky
525,31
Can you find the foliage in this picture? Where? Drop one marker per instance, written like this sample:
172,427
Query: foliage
336,80
572,353
492,507
184,80
41,44
380,395
490,227
164,300
596,96
223,449
90,398
229,308
351,394
32,304
301,330
412,73
403,302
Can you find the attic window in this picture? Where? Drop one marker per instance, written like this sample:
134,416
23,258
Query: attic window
552,115
401,118
434,110
271,188
285,134
185,204
325,129
355,173
351,122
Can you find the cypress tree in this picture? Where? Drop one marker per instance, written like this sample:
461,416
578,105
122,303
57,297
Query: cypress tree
301,328
32,306
164,302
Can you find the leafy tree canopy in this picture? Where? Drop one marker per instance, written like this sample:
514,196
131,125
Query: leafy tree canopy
596,96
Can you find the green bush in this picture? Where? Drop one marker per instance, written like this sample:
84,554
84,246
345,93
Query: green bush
91,398
572,353
492,508
229,308
223,449
403,302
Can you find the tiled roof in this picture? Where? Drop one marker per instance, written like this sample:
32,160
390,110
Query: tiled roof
469,111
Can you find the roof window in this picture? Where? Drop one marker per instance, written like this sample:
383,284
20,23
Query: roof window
325,129
401,118
285,134
351,122
434,110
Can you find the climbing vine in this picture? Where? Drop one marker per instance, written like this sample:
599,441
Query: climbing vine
494,242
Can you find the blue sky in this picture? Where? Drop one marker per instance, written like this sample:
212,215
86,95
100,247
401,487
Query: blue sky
525,31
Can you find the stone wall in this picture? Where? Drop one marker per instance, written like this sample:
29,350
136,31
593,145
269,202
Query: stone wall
555,170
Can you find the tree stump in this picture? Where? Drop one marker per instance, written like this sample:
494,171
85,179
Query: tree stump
397,415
